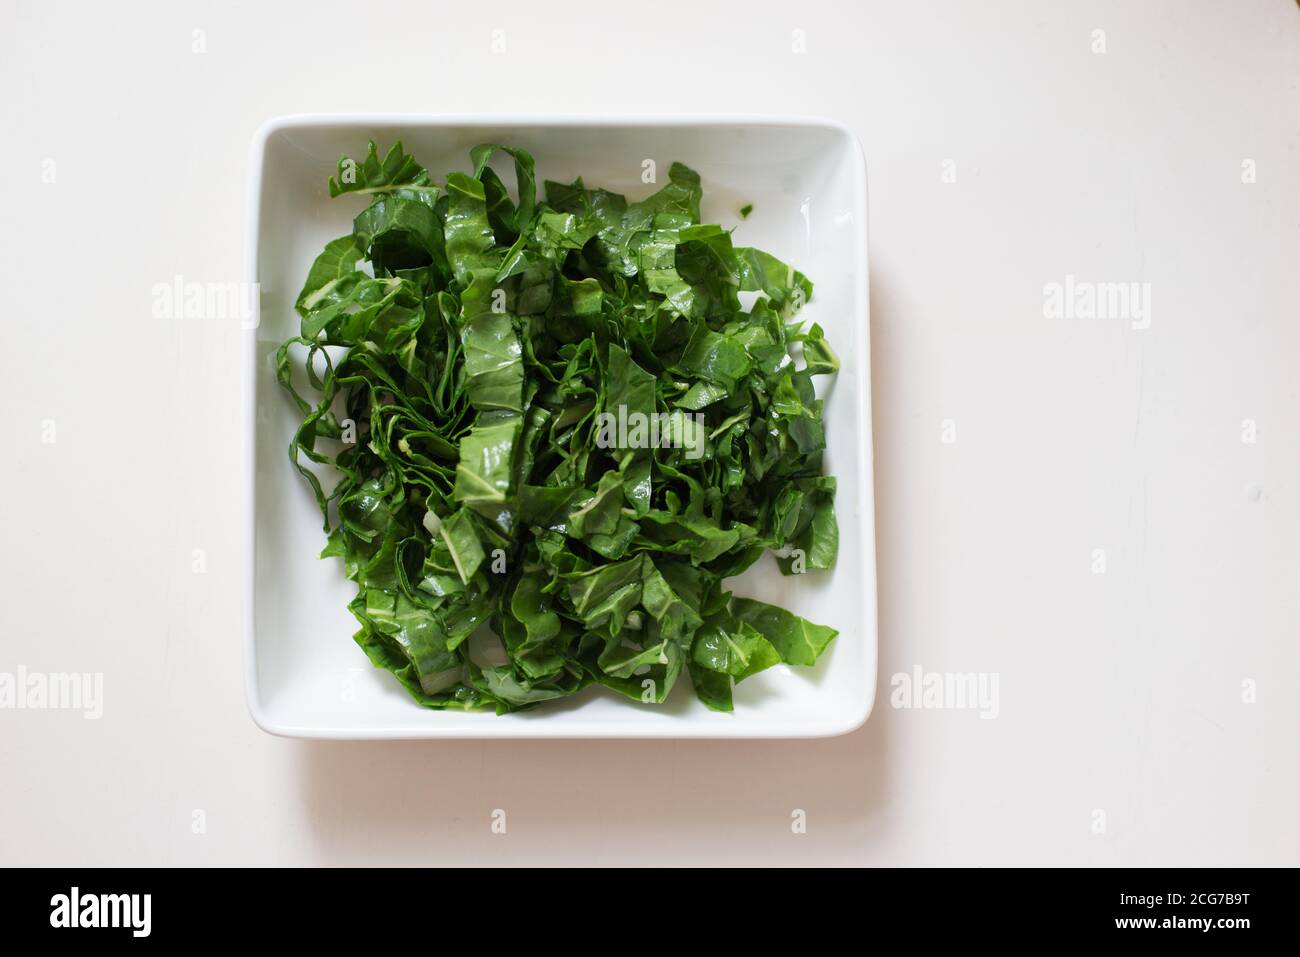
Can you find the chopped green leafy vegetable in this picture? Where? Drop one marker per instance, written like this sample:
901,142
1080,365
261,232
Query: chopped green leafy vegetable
549,417
746,210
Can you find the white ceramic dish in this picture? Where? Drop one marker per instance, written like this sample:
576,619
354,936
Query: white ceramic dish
806,180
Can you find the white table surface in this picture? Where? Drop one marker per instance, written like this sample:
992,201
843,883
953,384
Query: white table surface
1119,692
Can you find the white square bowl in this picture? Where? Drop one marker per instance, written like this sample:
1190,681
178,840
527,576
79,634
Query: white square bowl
806,179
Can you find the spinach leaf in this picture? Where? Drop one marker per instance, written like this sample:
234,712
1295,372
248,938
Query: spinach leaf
549,416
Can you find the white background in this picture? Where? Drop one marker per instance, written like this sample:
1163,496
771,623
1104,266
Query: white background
1119,692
